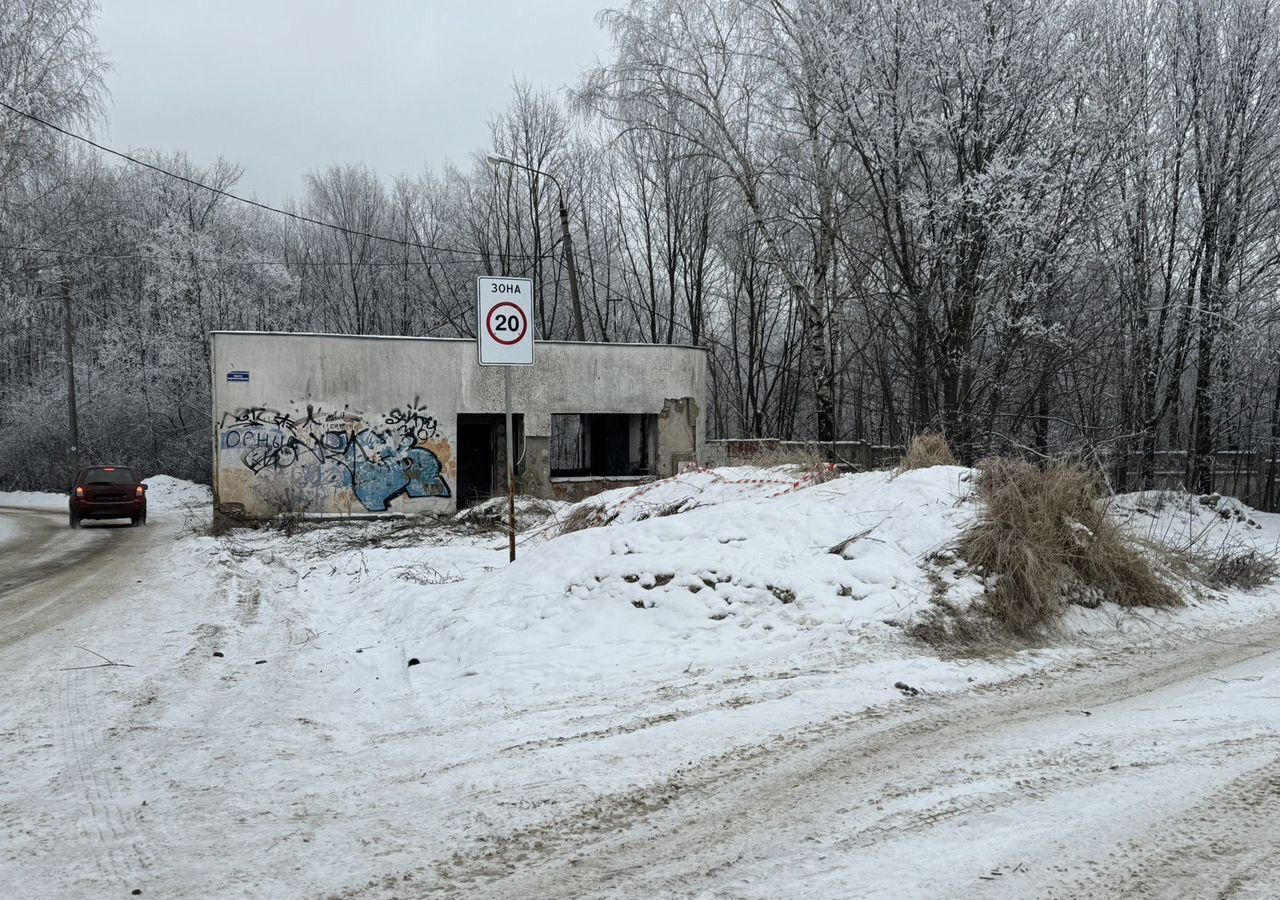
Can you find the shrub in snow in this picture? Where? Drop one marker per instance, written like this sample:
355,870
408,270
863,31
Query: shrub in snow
1214,540
1043,539
1241,569
925,450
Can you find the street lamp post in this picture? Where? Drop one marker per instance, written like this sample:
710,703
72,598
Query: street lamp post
497,159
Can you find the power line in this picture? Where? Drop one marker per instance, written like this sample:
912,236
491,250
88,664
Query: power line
307,219
213,260
292,215
219,191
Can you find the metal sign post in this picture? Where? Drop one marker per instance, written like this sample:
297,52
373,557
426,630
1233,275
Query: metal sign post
504,317
511,470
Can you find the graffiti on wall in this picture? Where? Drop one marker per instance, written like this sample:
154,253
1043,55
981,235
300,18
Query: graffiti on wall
376,458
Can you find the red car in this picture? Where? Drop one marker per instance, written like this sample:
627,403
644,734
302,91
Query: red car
108,492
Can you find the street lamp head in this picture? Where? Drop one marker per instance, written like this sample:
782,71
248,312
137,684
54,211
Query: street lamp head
497,159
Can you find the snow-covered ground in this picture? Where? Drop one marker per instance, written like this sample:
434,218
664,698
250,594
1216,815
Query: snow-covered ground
392,709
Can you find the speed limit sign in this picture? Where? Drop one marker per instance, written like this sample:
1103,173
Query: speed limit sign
505,321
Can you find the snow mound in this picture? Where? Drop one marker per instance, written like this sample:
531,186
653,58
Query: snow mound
45,500
753,565
690,490
165,492
1193,523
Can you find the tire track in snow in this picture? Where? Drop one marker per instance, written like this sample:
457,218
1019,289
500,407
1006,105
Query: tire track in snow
76,774
1226,847
674,831
119,850
631,725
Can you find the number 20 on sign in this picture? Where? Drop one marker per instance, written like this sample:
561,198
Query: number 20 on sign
504,321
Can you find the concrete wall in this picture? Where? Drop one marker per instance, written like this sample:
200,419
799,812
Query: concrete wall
851,455
345,425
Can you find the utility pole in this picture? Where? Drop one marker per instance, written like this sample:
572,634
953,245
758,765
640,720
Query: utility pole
579,330
69,350
579,327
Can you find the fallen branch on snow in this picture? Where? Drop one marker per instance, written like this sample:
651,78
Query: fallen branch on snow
105,664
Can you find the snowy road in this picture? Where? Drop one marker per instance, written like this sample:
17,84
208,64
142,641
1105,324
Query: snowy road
44,566
1152,774
69,826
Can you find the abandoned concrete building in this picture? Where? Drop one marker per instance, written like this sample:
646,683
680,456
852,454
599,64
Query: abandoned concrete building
359,425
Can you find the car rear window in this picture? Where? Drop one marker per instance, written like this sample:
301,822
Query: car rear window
109,475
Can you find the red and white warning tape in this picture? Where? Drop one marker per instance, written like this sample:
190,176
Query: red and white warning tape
787,486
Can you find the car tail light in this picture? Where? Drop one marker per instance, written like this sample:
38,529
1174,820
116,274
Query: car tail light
79,492
137,492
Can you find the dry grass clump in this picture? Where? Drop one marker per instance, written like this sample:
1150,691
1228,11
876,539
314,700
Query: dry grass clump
492,516
482,520
925,450
585,515
288,505
1243,570
1044,540
668,509
789,454
810,461
947,626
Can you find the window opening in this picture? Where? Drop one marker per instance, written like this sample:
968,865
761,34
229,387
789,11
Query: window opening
602,444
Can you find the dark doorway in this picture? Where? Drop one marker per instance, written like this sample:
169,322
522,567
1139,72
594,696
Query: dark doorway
610,448
475,459
482,455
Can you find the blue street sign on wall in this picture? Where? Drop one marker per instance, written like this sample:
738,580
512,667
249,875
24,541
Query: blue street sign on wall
238,376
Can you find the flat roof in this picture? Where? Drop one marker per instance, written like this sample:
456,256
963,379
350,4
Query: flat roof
401,337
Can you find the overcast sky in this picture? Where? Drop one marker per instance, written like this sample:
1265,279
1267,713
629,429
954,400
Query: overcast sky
286,86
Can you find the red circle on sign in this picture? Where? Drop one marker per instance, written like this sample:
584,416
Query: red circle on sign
488,324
